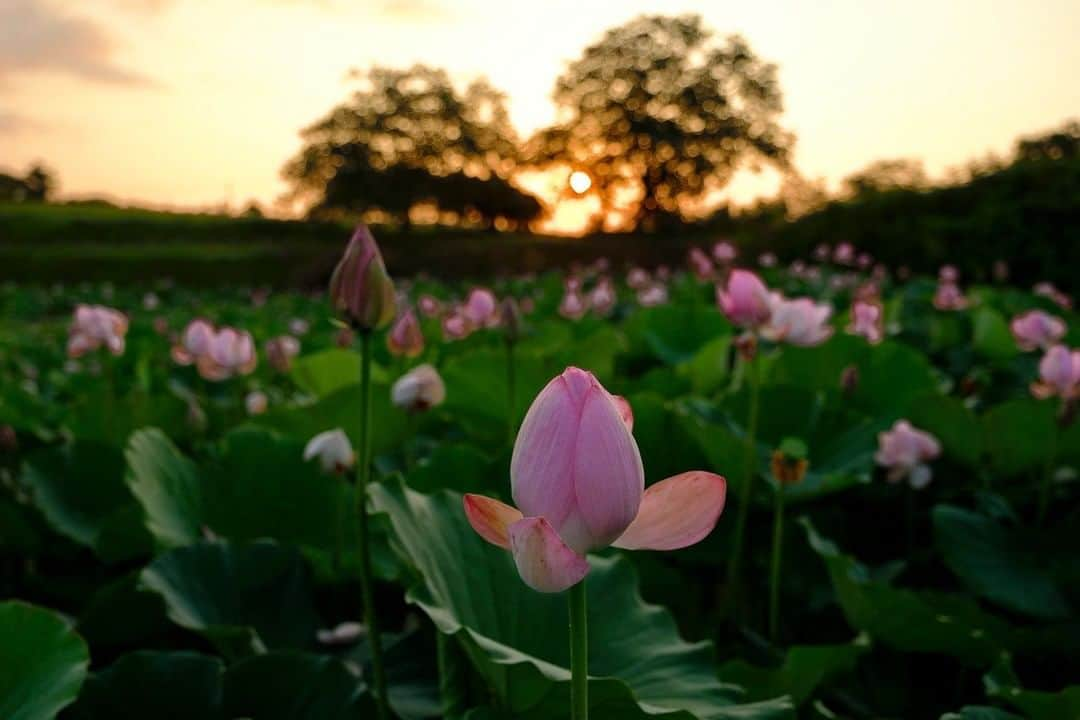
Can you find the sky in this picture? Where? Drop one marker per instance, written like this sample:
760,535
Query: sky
196,103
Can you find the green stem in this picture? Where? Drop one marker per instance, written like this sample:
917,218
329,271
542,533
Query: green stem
511,424
774,574
909,521
579,653
363,477
747,489
1046,484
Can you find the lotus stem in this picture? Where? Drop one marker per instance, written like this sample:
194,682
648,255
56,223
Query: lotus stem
579,653
774,570
511,391
733,579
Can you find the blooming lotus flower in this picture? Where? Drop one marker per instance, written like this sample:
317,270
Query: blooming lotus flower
455,326
867,320
95,326
334,451
700,263
280,352
653,295
231,352
905,450
255,403
602,298
1036,329
724,252
638,278
1059,374
419,389
744,299
1047,290
798,322
573,305
578,483
844,254
480,307
360,290
405,338
948,296
429,306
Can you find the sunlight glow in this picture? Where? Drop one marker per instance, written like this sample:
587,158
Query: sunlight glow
580,182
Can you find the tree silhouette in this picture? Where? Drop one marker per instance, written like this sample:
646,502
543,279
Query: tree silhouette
1060,144
658,110
408,137
885,175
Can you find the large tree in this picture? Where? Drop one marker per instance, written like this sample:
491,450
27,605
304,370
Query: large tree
407,137
660,113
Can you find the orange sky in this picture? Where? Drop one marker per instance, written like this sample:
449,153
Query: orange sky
191,103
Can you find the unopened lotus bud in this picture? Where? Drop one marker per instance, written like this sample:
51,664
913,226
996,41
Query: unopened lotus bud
405,338
510,317
786,469
360,289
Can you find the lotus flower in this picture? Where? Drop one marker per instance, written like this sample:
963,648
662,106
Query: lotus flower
905,451
1036,329
948,274
573,305
334,451
1050,292
867,321
256,402
602,298
799,322
231,352
638,278
653,295
822,252
455,326
480,308
280,352
948,296
724,252
578,483
744,299
864,261
405,338
767,260
700,263
419,389
95,326
429,306
1059,374
844,254
360,290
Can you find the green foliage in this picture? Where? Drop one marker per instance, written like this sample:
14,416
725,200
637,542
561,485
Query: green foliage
43,662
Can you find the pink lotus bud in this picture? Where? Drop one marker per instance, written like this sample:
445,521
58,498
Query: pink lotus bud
638,278
96,326
255,403
280,352
867,320
724,252
298,327
576,476
653,295
194,343
405,337
864,261
429,306
360,290
479,308
1059,374
822,252
455,326
700,263
797,322
573,305
948,296
905,450
333,450
948,274
1047,290
663,273
767,260
602,298
419,389
1036,329
844,254
745,299
232,352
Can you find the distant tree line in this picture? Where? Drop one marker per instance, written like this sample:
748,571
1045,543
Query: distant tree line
37,185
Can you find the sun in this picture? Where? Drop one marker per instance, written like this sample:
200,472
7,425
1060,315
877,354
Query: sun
580,182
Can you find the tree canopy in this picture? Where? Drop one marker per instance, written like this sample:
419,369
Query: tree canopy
408,137
661,111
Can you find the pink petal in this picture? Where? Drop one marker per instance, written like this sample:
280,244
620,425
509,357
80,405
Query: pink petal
491,518
543,560
625,411
676,513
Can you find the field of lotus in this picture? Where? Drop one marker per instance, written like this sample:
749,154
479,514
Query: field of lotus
739,489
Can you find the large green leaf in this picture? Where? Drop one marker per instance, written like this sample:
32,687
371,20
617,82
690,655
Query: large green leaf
295,686
477,389
1019,435
891,377
1001,565
675,333
980,712
470,589
908,620
43,662
159,685
992,338
169,488
804,668
324,372
244,597
1001,682
80,490
947,419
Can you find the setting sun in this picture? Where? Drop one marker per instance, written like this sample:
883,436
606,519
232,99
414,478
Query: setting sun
580,182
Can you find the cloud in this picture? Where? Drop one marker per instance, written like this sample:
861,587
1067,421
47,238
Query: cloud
412,10
36,38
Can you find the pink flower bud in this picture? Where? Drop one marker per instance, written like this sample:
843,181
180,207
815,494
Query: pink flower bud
767,260
96,326
455,326
334,451
419,389
948,274
700,263
231,352
724,252
905,451
573,305
255,403
360,290
405,338
638,278
867,320
602,298
1036,329
479,308
744,299
1059,374
797,322
280,352
948,296
429,306
653,295
1050,292
844,254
